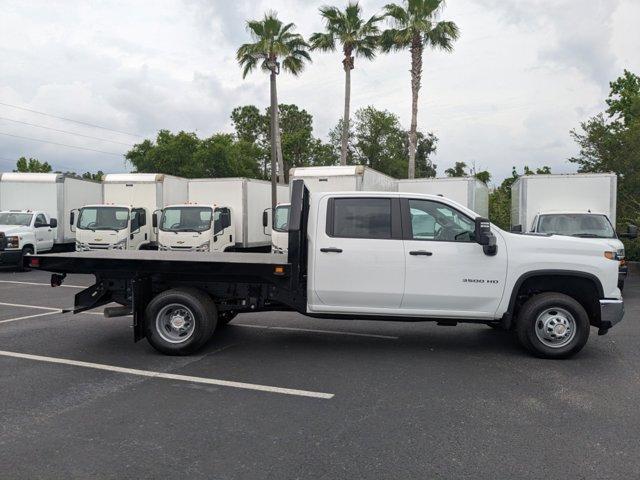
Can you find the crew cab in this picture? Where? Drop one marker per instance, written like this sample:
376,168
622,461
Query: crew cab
24,232
365,255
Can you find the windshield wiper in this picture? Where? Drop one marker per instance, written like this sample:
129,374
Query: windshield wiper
587,235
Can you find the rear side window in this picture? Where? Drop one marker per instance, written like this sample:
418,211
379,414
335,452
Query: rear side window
360,218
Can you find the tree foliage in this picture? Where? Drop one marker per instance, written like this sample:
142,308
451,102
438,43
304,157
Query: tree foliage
32,165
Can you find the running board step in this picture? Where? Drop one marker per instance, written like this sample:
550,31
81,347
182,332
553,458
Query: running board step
111,312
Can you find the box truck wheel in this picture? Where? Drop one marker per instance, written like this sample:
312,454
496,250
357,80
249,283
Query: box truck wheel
26,250
180,321
553,325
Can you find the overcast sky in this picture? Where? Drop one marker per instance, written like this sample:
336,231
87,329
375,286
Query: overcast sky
523,74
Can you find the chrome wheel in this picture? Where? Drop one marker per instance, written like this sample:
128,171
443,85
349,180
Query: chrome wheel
555,327
175,323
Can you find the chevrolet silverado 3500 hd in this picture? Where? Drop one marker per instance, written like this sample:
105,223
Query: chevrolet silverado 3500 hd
365,255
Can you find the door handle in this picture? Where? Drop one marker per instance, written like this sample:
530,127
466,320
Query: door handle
331,250
420,252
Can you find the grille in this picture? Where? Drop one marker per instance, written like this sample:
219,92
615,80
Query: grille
3,241
99,246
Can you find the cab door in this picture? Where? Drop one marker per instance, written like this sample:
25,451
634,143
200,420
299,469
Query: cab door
43,233
139,231
447,272
358,256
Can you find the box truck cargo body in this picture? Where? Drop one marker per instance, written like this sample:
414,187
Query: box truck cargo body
123,220
343,178
222,214
52,193
467,191
579,193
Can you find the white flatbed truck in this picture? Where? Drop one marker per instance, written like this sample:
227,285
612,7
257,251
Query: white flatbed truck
363,255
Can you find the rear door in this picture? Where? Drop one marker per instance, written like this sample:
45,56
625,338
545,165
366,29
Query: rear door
358,263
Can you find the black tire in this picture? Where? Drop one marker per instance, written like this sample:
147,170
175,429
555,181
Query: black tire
198,304
225,317
528,321
27,249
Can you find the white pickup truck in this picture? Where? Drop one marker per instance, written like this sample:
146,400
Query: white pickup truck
365,255
23,232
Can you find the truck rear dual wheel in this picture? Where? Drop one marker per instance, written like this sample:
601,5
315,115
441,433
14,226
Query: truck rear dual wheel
553,325
180,321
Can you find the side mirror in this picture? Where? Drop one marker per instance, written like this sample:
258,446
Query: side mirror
265,218
485,237
72,218
53,223
516,229
154,220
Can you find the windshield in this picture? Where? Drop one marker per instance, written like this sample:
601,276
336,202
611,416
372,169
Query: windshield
103,218
585,225
186,219
14,218
281,218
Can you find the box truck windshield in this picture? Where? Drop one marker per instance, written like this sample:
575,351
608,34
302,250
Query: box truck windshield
585,225
281,218
103,218
11,218
187,219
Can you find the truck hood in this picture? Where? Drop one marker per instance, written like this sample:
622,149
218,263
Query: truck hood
13,229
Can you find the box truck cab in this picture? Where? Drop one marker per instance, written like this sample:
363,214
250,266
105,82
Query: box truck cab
24,232
222,214
111,227
579,205
195,228
122,222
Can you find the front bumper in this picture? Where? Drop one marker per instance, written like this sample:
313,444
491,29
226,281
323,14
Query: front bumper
10,257
611,313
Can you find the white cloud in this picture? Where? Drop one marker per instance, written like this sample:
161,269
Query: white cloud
521,76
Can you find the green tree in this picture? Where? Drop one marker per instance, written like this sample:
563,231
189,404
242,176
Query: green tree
458,170
379,141
415,25
357,37
426,147
32,165
274,45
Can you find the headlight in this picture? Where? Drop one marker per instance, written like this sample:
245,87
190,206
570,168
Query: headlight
614,255
121,245
13,242
82,247
203,248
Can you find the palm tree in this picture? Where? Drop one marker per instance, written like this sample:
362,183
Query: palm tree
415,25
357,37
274,46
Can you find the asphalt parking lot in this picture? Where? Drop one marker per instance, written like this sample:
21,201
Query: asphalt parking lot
306,398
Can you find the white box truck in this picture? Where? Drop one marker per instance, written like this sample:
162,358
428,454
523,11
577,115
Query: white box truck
222,214
35,212
578,205
342,178
467,191
120,221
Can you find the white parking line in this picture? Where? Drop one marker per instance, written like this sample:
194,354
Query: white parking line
331,332
170,376
28,306
29,316
40,284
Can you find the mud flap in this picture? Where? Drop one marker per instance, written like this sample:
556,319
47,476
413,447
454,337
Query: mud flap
141,289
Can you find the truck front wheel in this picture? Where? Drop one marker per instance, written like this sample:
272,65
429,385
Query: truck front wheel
180,321
553,325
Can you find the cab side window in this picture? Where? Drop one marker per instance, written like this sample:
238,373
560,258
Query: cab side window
359,218
41,221
436,221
